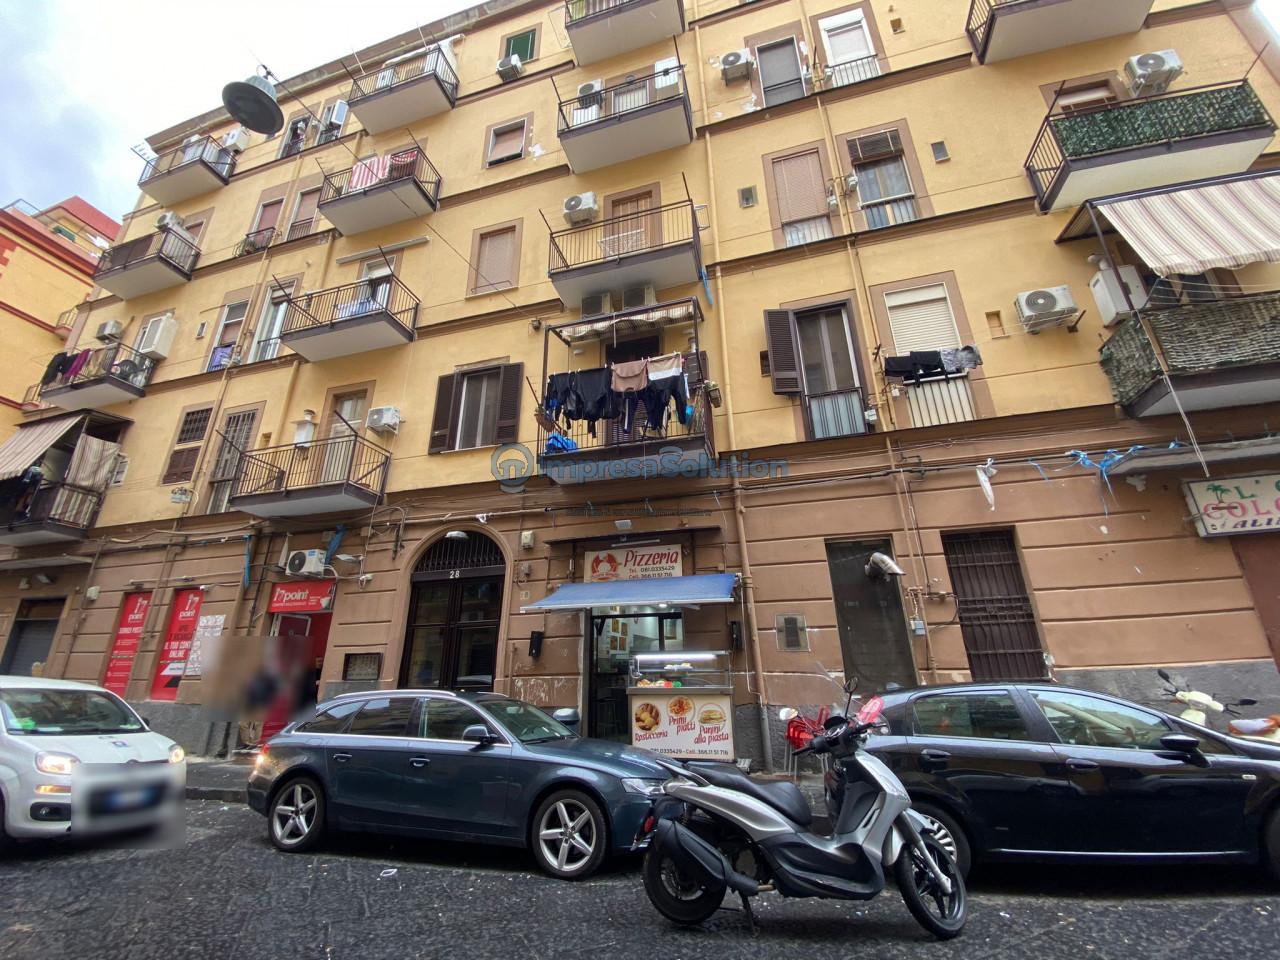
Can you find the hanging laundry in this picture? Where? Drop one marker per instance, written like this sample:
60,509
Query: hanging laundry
657,397
915,365
559,443
78,363
632,375
959,359
57,366
594,392
668,365
367,172
558,399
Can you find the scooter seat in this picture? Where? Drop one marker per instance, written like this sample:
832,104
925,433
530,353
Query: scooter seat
783,795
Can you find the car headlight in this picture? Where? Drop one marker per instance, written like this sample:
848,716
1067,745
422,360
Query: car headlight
649,788
58,763
177,754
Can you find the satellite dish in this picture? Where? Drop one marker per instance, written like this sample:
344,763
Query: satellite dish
253,104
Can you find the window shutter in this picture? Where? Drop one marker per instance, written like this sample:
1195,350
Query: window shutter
695,368
495,266
182,464
507,144
921,319
784,356
874,146
510,385
307,206
442,417
236,431
778,63
802,192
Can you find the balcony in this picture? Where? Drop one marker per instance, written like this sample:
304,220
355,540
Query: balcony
637,449
58,513
190,170
658,246
380,191
405,90
1003,29
600,29
256,242
154,262
1148,142
1223,353
934,401
639,116
334,475
107,376
354,318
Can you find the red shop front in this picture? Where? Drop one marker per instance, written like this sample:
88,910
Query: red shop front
301,614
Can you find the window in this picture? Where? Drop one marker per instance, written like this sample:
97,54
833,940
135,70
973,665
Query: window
506,142
268,218
496,260
988,716
885,194
331,122
266,343
379,274
304,214
801,193
523,45
332,720
237,431
921,319
833,402
846,41
477,408
186,446
780,77
195,228
62,231
295,137
229,326
446,719
1082,720
383,717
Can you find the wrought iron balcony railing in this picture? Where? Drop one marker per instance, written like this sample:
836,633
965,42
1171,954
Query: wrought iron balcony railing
1166,118
345,460
428,63
176,249
58,503
301,228
256,242
851,71
575,11
623,98
670,225
411,164
206,150
379,295
836,413
115,361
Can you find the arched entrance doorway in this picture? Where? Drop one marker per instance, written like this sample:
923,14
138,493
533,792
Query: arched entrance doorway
451,640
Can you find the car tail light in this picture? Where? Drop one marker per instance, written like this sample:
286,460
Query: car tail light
649,823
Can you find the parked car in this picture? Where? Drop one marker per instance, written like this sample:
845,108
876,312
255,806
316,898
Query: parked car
1040,771
456,766
75,758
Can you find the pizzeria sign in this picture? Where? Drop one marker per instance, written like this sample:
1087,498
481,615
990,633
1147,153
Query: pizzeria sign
649,562
1234,505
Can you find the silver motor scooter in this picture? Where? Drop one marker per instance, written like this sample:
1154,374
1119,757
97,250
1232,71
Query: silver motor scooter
714,829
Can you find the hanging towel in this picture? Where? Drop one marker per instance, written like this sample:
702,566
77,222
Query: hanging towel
630,376
668,365
78,363
898,367
557,399
367,172
959,359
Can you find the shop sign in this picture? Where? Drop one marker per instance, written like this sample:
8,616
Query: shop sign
1234,505
124,648
177,644
687,725
634,563
305,596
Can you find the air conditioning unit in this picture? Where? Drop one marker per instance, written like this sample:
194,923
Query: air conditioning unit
305,563
168,220
338,115
581,208
384,420
1048,307
236,139
590,94
510,68
1151,73
597,304
641,296
1109,287
736,65
109,331
157,339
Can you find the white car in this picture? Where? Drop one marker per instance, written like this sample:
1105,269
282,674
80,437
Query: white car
75,758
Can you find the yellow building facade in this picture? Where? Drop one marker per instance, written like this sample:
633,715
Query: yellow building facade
343,385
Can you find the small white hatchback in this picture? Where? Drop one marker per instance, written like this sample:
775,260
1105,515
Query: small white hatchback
75,758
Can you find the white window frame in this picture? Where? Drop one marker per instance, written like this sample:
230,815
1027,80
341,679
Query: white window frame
849,18
951,309
268,348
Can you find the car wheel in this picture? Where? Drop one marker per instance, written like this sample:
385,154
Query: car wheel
1271,843
6,841
569,835
295,819
949,834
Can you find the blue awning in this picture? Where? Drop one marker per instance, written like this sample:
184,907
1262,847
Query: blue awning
676,591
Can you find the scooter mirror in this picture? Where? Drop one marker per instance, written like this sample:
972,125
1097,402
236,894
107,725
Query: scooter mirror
1164,675
1246,702
851,685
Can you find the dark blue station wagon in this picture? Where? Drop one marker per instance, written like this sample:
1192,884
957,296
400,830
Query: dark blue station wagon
455,766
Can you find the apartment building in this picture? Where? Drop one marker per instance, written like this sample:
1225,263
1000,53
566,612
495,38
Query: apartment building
987,289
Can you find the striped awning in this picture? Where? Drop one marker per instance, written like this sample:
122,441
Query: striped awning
1195,229
30,441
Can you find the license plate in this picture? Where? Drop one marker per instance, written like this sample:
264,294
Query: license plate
130,799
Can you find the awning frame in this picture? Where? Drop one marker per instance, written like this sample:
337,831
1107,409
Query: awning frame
55,427
578,594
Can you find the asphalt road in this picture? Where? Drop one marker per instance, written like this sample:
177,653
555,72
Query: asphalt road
227,894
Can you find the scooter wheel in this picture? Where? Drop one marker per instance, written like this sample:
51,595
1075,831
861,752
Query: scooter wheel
941,914
677,896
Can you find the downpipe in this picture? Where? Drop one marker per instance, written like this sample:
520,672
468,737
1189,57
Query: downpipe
690,852
911,824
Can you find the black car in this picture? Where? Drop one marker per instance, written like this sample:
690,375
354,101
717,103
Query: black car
1041,771
455,766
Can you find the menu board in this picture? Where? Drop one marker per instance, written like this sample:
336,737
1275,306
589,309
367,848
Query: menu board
680,722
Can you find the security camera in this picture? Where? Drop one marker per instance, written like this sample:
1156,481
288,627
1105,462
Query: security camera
882,565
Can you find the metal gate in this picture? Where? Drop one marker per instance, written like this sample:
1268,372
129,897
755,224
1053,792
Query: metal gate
996,619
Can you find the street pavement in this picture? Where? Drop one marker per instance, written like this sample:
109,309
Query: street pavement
227,894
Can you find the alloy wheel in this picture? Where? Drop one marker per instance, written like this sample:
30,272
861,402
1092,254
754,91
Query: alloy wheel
942,835
677,883
567,835
294,815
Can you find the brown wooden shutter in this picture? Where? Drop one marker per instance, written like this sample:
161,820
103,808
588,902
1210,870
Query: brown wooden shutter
510,386
495,261
784,354
695,368
442,417
801,190
875,146
182,464
507,144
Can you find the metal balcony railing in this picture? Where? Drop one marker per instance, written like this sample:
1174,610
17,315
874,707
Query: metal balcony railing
851,71
347,460
323,308
939,400
980,20
428,63
62,503
611,438
575,11
621,99
1164,118
115,361
177,250
836,413
206,150
301,228
666,226
256,242
376,172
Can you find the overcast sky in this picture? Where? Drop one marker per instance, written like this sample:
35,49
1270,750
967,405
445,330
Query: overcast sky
81,81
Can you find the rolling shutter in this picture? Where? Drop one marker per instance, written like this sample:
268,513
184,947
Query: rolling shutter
875,146
442,416
800,187
182,464
507,144
784,355
510,384
921,319
495,261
